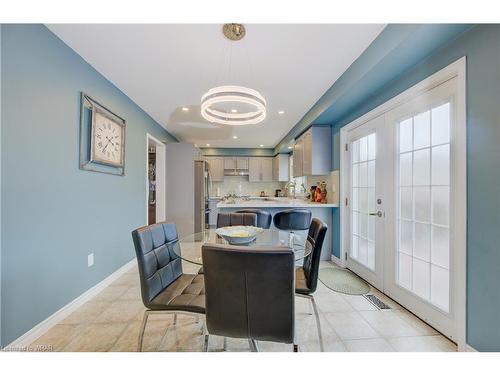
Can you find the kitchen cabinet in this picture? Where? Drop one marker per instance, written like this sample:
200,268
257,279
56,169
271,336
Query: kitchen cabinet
297,158
229,163
260,169
216,168
312,152
281,167
241,163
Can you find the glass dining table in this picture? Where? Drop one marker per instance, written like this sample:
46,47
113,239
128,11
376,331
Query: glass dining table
189,248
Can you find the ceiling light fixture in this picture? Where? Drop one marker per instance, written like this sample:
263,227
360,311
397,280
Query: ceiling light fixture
290,147
235,137
281,112
208,144
261,145
223,96
185,109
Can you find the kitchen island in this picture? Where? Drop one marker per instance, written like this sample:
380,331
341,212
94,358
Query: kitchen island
322,211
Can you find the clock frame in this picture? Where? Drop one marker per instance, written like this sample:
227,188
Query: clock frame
93,116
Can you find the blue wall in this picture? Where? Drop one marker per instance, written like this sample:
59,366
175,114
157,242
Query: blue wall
53,214
481,45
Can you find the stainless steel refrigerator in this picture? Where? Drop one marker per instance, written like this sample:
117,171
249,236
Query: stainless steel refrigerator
202,185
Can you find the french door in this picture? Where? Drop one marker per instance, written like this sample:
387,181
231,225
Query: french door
402,199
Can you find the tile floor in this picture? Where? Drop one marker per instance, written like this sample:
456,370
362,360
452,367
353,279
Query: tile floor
111,322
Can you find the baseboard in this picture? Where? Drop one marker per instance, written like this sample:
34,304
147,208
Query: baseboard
339,262
22,342
469,348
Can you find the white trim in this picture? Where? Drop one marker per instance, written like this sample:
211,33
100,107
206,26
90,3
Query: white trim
161,195
339,262
456,69
469,348
37,331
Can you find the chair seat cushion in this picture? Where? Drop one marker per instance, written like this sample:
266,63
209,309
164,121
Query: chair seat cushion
300,281
186,293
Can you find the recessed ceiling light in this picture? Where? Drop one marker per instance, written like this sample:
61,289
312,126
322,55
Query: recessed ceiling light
208,144
185,109
261,145
234,111
281,112
235,137
290,147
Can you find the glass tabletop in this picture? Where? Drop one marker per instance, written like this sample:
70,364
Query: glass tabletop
189,248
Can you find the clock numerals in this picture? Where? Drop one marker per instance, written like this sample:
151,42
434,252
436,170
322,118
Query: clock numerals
108,141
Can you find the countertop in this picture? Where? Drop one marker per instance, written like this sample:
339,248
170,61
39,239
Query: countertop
274,203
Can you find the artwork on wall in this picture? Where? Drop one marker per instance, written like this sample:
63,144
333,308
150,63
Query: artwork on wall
102,138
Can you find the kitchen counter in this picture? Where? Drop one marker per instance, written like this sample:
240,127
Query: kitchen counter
274,203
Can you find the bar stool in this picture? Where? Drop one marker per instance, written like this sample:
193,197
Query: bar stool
292,220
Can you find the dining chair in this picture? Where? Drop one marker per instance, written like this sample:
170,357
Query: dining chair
164,287
228,219
249,293
306,276
264,218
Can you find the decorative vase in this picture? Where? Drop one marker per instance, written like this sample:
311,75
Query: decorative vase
323,192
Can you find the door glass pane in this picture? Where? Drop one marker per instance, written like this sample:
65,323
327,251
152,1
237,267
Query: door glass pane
363,154
423,211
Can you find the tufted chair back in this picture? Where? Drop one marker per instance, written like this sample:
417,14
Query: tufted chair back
249,292
229,219
315,238
159,265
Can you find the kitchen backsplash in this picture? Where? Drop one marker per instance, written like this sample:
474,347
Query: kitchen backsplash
241,186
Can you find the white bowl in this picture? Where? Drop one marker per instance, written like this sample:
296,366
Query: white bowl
239,235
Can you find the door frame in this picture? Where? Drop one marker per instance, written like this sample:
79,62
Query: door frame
161,202
457,70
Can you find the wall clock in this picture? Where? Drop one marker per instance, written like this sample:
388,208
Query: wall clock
102,138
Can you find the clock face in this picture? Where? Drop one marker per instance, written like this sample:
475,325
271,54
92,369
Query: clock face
107,139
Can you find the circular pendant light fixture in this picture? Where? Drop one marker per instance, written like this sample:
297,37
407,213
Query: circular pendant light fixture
230,95
216,102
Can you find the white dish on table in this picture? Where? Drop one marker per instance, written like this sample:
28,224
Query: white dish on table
239,234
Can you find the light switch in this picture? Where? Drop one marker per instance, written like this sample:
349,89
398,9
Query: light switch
90,260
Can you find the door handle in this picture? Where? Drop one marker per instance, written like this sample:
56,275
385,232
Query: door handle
378,213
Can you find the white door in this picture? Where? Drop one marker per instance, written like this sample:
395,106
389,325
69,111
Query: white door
365,200
405,206
420,268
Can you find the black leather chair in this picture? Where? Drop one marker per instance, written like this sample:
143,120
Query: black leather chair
306,276
296,219
228,219
250,293
264,218
164,287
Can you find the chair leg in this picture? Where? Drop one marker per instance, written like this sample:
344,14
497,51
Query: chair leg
318,324
205,343
175,319
143,328
224,345
253,345
295,348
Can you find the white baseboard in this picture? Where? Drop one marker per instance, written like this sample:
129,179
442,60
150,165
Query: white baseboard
339,262
37,331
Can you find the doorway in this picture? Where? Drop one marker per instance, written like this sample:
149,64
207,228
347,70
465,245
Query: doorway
404,201
155,180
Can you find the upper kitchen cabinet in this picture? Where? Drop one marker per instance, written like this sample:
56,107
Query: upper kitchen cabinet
298,152
216,168
231,162
260,169
281,167
241,163
312,152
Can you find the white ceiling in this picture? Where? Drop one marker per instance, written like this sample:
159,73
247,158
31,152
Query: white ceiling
166,67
